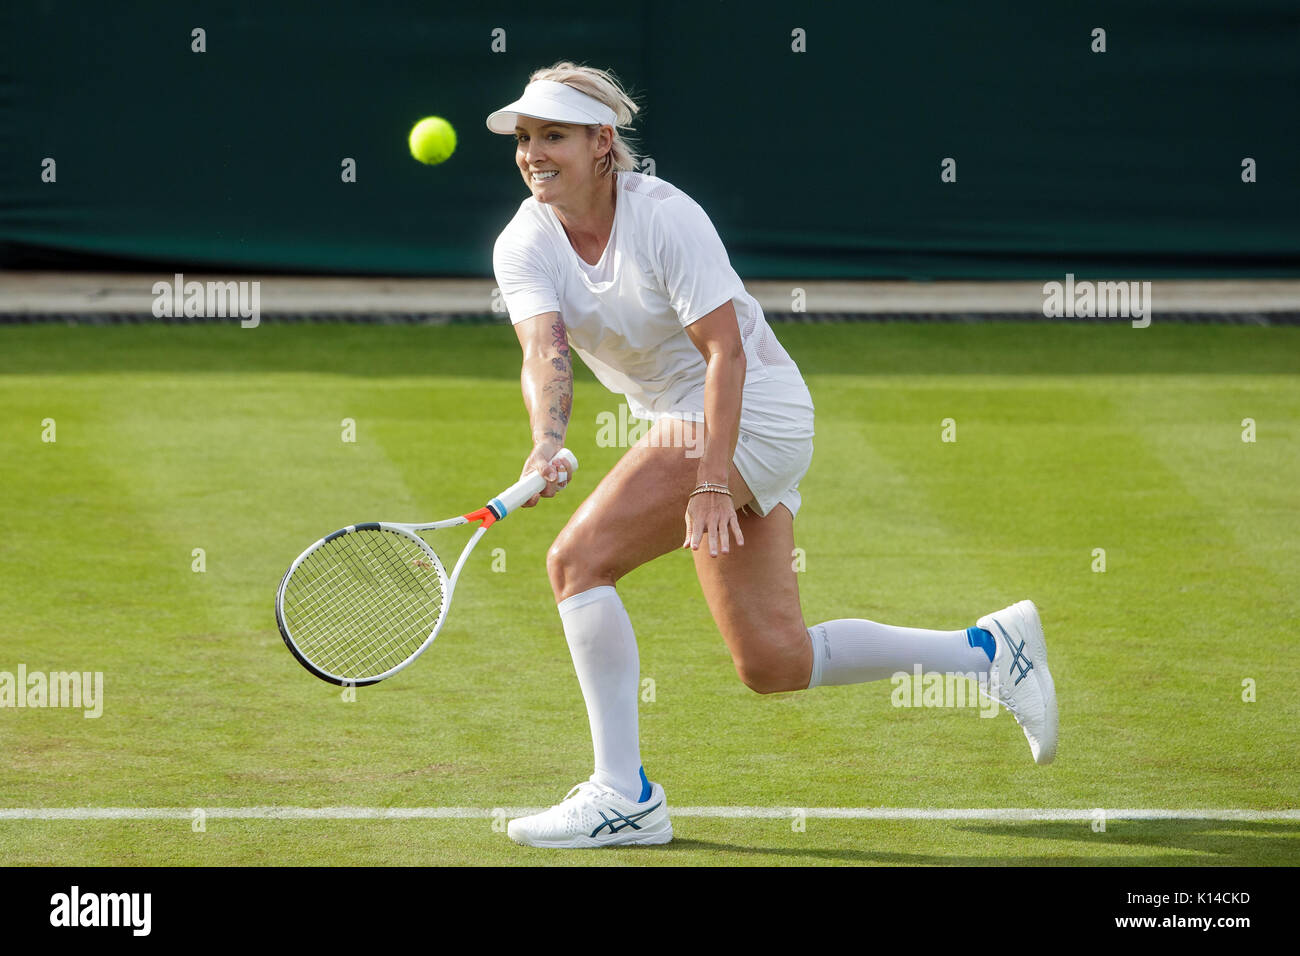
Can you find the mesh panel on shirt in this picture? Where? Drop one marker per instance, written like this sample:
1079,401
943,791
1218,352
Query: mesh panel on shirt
770,352
748,329
656,189
766,348
662,191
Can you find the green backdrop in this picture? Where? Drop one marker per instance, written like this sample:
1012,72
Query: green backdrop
824,163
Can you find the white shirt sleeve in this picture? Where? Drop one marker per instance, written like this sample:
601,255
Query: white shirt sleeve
524,277
691,259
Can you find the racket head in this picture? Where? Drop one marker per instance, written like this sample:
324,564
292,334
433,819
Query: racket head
362,603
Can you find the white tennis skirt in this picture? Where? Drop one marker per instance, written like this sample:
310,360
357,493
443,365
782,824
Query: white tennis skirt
775,445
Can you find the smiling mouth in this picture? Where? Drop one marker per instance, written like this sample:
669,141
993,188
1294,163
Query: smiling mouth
544,177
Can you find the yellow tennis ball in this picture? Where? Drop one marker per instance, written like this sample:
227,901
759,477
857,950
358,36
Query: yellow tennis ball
432,140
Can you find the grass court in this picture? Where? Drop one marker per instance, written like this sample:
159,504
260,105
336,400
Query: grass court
1069,438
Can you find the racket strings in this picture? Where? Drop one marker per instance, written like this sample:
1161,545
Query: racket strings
363,603
372,626
342,591
376,632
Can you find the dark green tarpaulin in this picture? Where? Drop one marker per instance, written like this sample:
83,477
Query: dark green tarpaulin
824,163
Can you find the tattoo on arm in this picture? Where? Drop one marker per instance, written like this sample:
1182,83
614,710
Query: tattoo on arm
560,386
560,338
561,390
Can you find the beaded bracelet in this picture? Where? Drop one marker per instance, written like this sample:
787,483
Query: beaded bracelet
706,487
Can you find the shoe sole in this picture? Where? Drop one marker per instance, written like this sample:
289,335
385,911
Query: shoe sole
1028,612
1031,627
640,838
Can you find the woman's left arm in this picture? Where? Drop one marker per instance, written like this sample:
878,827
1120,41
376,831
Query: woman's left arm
717,336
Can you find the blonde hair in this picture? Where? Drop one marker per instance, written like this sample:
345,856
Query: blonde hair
601,85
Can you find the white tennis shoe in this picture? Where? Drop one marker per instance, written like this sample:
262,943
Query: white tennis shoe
593,815
1020,680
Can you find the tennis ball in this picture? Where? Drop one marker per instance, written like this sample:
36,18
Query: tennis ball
432,140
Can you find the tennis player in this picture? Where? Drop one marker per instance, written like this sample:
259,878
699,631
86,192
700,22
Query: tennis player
628,271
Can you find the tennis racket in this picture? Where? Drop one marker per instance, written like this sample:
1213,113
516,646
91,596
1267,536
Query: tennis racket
364,602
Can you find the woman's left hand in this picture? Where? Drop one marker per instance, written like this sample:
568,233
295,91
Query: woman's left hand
711,513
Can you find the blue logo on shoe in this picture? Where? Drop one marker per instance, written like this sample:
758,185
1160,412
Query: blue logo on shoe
1018,658
621,821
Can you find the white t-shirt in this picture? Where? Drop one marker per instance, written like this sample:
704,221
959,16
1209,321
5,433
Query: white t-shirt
663,268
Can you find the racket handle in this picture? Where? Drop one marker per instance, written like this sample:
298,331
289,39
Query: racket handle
514,496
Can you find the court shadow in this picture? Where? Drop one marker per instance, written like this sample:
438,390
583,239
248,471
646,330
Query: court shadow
1181,842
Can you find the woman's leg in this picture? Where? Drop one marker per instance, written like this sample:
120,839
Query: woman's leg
753,593
636,514
754,597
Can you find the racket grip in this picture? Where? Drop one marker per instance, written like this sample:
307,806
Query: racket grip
514,496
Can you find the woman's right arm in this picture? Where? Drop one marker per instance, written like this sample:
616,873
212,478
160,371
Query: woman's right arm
547,382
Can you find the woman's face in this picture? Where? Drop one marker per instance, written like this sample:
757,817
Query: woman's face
563,153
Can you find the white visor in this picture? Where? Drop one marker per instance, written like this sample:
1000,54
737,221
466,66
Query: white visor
549,100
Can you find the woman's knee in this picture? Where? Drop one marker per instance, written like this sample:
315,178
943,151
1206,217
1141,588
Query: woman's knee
777,668
560,559
573,565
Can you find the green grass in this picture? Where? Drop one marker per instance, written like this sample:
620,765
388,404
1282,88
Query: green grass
1070,438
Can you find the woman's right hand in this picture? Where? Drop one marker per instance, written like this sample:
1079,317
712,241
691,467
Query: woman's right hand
556,473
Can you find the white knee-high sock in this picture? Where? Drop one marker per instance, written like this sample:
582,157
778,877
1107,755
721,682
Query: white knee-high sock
853,651
603,646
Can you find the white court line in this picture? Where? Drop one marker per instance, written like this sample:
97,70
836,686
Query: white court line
723,813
